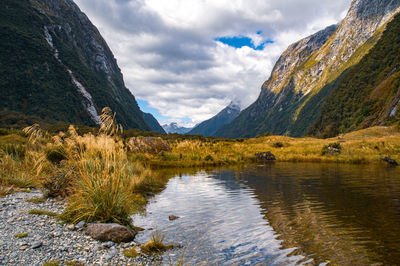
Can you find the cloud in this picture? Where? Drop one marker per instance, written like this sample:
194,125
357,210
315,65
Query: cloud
171,58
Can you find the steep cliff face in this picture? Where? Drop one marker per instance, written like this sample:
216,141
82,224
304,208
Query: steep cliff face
210,126
306,74
368,94
59,68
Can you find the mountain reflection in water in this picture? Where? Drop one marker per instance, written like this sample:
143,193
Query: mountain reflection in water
281,214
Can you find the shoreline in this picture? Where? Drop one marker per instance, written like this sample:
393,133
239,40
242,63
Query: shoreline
56,242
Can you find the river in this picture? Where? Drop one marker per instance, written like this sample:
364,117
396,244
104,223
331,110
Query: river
280,214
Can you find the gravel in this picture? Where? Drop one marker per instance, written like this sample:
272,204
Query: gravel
49,240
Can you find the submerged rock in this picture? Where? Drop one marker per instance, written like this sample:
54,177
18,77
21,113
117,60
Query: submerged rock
390,161
110,232
173,217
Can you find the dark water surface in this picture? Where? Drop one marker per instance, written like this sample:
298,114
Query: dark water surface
281,214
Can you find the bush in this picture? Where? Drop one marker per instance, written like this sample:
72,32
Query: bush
55,154
16,151
209,158
332,149
278,145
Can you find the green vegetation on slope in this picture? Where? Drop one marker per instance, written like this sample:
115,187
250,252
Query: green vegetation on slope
36,86
368,93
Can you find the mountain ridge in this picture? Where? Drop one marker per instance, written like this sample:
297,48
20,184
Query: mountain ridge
62,70
298,77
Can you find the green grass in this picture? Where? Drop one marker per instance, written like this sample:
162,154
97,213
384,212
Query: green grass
130,253
156,245
43,212
22,235
36,200
51,263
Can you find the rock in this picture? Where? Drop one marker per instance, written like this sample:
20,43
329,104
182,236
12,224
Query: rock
265,156
70,227
108,244
80,225
390,161
110,232
111,255
172,217
150,194
36,244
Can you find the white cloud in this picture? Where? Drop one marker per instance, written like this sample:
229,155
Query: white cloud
169,58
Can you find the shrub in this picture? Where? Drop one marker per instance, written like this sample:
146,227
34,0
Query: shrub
278,145
209,158
57,184
17,151
55,154
332,149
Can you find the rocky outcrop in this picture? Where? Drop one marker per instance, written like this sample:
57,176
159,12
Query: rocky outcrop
210,126
308,68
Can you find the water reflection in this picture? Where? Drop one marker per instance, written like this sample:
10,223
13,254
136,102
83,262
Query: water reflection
282,214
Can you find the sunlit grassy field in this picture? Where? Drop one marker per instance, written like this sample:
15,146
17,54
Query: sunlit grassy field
364,146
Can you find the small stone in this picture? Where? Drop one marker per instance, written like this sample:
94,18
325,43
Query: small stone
80,225
22,247
37,244
111,255
70,227
108,244
172,217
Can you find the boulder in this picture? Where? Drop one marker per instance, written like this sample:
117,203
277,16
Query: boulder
110,232
265,156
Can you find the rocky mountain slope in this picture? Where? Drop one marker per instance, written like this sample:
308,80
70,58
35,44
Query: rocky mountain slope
309,70
175,128
210,126
55,65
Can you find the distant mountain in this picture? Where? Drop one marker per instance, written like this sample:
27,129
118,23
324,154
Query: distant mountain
153,123
174,128
210,126
55,65
317,68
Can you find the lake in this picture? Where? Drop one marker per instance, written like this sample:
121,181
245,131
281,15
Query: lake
280,214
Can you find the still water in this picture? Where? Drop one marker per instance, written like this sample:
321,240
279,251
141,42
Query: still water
280,214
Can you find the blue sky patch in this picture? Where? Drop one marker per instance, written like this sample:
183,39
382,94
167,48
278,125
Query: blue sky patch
240,41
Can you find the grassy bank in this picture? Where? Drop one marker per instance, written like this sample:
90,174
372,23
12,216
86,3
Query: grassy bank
360,147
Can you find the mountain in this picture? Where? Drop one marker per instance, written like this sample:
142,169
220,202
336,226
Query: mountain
55,65
174,128
210,126
307,73
153,123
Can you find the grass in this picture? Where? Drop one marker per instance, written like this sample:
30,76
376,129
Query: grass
36,200
130,253
51,263
155,244
43,212
22,235
364,146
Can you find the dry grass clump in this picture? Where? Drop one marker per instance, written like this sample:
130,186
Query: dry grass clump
91,170
155,244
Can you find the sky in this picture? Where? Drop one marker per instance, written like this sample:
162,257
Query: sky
185,60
